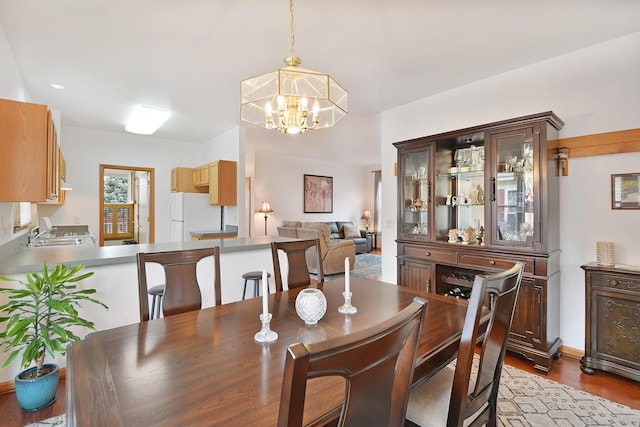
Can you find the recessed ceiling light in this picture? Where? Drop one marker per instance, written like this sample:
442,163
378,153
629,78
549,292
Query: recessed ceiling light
146,120
57,86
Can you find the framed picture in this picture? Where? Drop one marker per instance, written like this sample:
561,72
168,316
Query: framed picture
625,191
318,194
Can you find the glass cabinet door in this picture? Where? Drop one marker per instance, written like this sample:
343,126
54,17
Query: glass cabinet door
416,197
459,193
514,195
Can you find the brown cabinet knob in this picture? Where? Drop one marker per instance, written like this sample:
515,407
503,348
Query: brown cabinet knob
427,253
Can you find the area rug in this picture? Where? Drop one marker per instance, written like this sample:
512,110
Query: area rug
367,265
60,420
527,400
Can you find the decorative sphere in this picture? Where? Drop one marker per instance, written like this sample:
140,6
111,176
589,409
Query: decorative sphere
311,305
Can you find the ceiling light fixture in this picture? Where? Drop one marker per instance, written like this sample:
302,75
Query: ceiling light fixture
146,120
291,91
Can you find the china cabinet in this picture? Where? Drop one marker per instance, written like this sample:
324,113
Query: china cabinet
612,334
477,200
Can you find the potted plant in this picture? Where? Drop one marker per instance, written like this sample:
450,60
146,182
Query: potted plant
40,315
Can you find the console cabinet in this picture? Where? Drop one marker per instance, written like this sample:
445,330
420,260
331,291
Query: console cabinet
477,200
29,168
612,333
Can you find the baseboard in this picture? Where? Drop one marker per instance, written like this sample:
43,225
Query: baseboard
573,352
10,386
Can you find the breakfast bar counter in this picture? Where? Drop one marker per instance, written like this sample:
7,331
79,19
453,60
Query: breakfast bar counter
25,259
115,275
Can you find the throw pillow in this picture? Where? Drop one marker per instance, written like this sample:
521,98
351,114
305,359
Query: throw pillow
351,231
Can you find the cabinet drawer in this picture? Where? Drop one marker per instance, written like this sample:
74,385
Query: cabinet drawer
430,254
497,262
612,281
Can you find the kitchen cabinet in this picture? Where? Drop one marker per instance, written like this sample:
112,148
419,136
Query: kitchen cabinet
182,180
477,200
612,333
29,169
223,183
201,176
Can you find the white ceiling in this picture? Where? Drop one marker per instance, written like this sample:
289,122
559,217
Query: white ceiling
190,55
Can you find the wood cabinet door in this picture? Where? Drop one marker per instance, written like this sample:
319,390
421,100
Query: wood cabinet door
527,324
416,275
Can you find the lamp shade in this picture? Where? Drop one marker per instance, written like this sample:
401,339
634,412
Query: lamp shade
265,208
366,215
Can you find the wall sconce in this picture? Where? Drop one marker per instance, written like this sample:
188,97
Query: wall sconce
265,209
366,215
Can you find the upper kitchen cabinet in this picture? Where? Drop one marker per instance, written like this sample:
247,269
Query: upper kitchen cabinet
223,183
29,166
182,180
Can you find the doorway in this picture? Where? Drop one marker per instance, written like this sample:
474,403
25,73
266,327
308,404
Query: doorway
126,205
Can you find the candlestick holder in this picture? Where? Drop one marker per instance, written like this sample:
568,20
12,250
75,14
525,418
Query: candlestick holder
347,308
265,334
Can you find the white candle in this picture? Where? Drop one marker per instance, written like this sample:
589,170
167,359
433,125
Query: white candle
265,293
347,288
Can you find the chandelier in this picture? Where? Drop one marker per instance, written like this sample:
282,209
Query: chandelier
292,99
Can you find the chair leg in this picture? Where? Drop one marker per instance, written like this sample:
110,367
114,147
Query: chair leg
256,288
159,307
244,291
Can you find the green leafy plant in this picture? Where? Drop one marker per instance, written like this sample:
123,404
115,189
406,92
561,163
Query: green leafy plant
41,313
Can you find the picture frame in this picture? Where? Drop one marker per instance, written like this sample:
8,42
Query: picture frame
625,191
318,194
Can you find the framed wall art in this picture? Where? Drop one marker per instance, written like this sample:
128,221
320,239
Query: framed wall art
318,194
625,191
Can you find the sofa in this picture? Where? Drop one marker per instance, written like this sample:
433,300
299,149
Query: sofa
346,230
332,252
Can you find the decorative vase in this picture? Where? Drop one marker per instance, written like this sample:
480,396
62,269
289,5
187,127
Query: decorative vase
36,393
311,305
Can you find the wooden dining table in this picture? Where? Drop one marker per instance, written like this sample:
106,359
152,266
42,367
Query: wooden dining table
205,368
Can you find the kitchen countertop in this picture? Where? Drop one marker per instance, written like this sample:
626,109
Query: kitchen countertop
24,259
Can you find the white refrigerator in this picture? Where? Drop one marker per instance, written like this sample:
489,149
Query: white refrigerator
191,212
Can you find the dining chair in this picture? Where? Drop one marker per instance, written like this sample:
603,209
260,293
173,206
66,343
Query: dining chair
376,364
182,291
452,397
296,252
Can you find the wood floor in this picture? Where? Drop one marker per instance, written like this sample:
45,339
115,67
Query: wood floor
565,370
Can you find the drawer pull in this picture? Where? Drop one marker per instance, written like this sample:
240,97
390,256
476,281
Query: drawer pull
492,262
613,282
427,253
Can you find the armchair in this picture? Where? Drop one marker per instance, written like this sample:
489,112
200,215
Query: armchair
331,253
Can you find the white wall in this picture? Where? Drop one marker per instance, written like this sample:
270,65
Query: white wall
593,90
279,179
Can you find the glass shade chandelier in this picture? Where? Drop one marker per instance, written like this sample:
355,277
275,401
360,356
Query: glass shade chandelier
292,99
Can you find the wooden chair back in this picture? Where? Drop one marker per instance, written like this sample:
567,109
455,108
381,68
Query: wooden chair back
299,275
502,289
376,363
182,292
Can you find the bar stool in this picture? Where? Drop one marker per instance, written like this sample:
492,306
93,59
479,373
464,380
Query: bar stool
256,276
156,292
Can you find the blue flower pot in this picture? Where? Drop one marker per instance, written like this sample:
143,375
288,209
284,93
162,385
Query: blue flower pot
37,393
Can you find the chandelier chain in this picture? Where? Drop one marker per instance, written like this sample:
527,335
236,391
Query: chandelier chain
293,35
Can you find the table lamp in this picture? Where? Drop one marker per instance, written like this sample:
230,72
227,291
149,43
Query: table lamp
366,215
266,209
